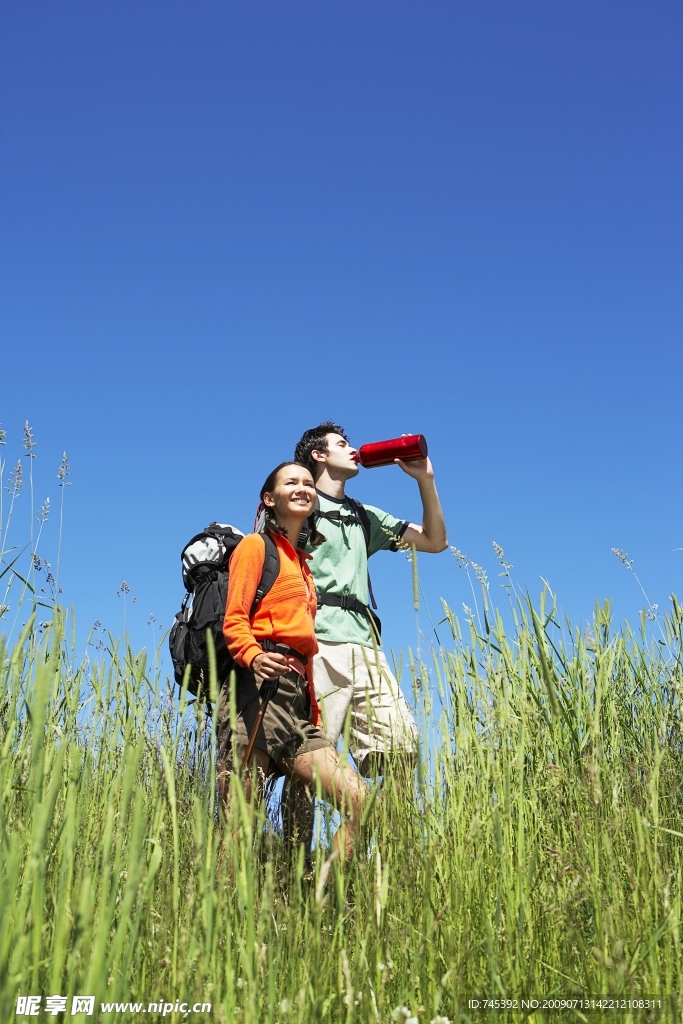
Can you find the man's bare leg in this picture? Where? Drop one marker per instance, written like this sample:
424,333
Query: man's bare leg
401,765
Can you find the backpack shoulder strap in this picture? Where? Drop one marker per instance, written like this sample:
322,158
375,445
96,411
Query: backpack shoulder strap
271,570
360,516
364,520
362,513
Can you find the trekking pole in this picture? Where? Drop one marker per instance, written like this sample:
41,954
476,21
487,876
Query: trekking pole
268,691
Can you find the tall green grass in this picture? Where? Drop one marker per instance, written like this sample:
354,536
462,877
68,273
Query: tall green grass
536,852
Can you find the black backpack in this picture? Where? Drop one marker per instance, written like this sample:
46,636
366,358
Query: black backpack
205,561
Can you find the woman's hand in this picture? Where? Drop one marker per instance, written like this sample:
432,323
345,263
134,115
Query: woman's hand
269,665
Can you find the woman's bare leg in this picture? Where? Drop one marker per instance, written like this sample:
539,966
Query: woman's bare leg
256,773
258,770
341,785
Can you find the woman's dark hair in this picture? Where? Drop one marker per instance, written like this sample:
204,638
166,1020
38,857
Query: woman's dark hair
315,440
314,536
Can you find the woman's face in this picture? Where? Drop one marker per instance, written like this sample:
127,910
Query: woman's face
293,494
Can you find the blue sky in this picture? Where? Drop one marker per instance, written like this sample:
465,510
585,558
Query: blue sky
224,222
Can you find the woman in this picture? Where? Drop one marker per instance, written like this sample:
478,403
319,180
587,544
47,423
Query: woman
290,740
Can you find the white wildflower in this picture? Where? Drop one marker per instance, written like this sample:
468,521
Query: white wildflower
401,1015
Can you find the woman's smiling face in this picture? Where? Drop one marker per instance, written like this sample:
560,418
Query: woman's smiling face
293,494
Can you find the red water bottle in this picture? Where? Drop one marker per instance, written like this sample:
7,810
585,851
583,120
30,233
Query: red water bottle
383,453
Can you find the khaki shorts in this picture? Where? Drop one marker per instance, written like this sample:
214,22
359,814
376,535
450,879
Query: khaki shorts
285,730
356,680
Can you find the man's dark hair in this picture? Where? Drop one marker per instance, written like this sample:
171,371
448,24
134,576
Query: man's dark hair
315,440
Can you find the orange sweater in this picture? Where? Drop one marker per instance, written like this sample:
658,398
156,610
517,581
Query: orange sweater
285,614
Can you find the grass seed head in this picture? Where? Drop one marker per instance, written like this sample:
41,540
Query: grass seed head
462,560
480,574
44,513
16,480
623,557
63,471
500,555
401,545
29,440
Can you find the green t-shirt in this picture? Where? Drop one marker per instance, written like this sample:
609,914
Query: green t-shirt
340,566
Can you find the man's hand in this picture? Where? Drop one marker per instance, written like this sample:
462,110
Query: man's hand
269,665
419,469
431,536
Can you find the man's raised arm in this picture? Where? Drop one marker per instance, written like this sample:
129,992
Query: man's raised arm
431,536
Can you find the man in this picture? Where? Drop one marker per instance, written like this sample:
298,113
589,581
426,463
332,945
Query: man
350,672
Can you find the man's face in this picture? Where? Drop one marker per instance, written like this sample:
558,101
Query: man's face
339,457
